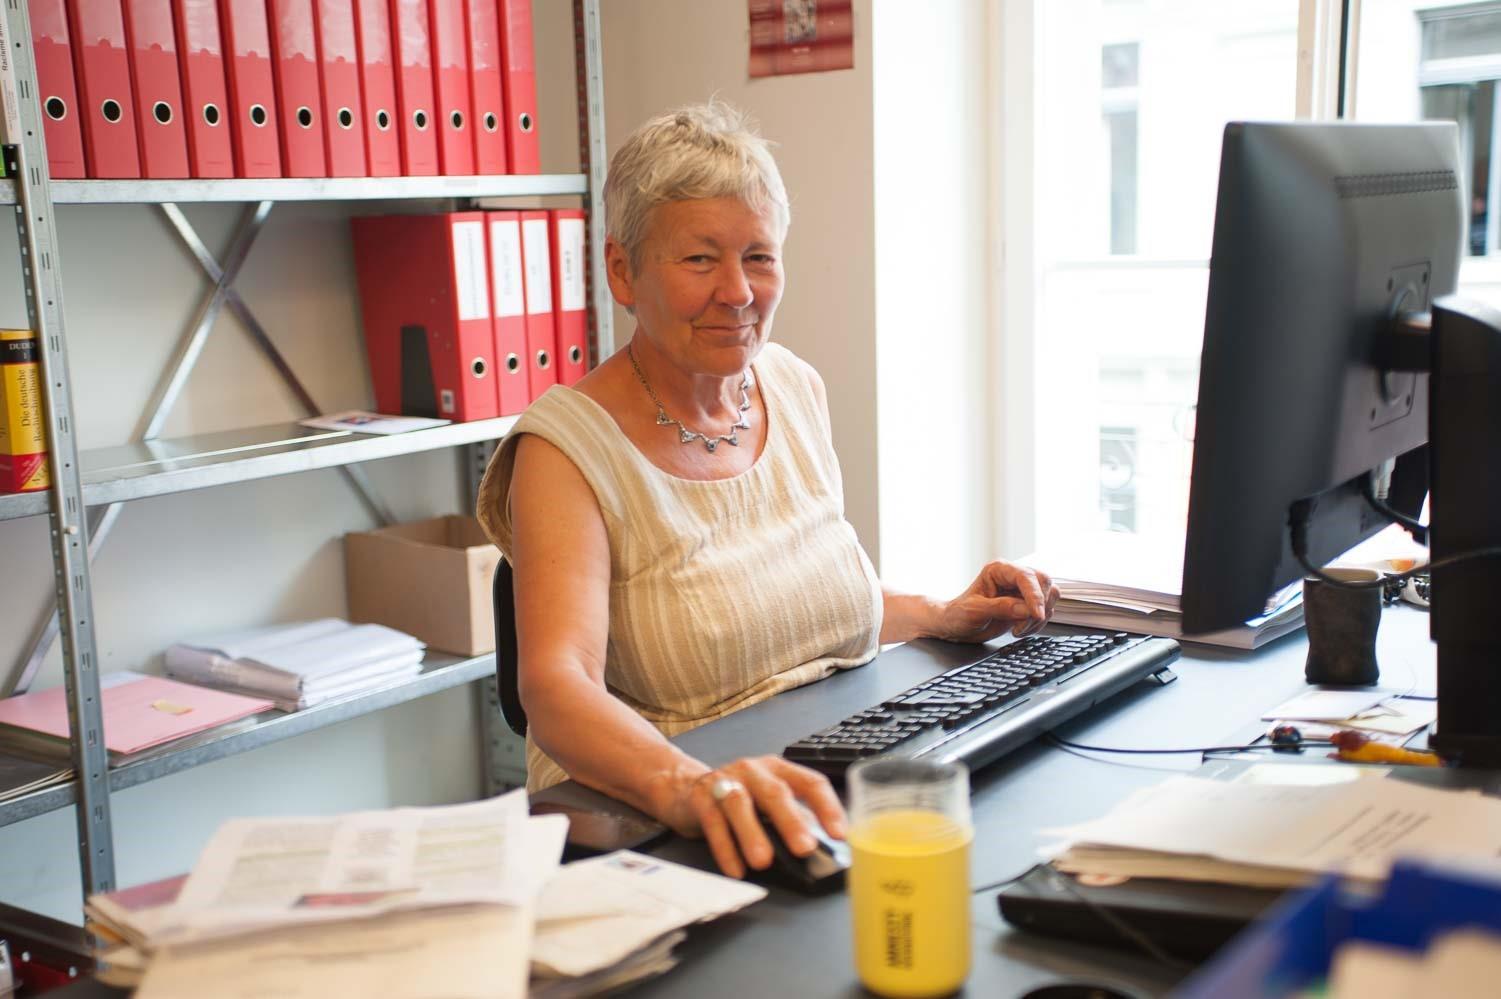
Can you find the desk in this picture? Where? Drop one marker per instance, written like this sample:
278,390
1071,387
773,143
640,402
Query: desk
791,945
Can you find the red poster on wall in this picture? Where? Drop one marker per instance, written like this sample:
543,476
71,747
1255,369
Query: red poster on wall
800,36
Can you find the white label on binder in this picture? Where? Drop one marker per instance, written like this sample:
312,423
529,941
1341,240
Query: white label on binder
571,260
538,269
469,270
505,267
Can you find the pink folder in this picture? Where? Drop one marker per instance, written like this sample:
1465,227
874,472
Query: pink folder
139,711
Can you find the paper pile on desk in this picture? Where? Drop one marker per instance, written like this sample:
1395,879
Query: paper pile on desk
399,903
317,906
1381,715
300,664
1194,829
609,920
1128,582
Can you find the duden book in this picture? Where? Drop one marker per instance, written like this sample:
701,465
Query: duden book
140,713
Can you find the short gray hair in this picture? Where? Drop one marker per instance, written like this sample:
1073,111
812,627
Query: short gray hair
699,151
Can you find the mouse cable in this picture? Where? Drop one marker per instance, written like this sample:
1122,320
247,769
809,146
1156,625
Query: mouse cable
1065,744
1297,521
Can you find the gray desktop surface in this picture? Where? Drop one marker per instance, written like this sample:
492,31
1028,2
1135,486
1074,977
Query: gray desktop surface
791,945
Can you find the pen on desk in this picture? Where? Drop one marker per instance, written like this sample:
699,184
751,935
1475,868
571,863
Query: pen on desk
1356,747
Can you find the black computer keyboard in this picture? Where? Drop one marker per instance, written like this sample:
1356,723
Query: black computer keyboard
978,712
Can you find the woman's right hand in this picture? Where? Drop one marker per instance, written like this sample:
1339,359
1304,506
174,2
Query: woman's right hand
727,806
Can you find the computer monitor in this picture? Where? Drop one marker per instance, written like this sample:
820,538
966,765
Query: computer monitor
1333,244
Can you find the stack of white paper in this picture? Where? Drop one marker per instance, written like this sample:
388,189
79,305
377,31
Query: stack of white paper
301,664
1194,829
457,901
608,920
392,903
1131,583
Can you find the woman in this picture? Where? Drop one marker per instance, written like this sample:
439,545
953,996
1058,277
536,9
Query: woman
675,521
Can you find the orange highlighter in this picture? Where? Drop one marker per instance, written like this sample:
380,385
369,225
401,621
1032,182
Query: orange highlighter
1356,747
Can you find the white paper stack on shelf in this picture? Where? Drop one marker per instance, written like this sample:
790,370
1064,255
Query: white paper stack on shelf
300,664
1278,835
1128,582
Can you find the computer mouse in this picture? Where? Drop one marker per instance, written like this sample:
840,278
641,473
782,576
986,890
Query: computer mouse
820,871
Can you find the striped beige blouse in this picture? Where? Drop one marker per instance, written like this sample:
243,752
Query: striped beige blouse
722,593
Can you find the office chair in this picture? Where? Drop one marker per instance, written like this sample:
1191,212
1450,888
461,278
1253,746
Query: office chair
503,593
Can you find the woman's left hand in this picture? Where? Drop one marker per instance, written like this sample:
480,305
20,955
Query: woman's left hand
1002,596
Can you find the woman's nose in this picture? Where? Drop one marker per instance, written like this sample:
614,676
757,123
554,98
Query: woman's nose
734,290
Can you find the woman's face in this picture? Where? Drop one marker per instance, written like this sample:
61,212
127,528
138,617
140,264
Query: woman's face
709,282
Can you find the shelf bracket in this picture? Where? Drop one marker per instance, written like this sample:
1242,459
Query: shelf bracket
241,311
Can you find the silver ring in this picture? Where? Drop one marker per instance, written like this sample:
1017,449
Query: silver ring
724,787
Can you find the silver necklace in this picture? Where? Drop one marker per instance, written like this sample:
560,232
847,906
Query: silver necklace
686,436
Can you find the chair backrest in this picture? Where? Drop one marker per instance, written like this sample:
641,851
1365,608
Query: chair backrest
504,594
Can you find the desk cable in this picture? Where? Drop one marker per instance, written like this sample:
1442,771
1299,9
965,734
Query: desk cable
1303,744
1105,916
1297,522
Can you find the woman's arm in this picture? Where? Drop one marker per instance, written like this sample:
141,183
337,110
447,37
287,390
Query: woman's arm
561,560
1003,596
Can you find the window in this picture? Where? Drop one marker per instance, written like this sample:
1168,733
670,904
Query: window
1131,99
1442,61
1120,68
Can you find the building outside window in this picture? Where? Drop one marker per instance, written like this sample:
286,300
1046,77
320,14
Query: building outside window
1132,97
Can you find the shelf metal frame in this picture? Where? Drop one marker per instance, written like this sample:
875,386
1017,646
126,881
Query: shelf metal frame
75,539
155,192
185,357
440,672
41,266
120,475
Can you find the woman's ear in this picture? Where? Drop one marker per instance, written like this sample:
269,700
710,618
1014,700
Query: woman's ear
618,273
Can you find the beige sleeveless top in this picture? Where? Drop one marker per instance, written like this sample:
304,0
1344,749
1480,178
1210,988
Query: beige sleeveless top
722,593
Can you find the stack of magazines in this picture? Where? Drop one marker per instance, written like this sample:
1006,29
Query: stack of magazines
1127,582
301,664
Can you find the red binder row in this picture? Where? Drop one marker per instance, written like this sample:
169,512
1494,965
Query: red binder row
286,88
471,315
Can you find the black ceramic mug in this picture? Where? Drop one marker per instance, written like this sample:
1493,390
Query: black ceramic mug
1342,625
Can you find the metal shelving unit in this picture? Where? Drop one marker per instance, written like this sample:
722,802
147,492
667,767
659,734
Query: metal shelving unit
173,465
146,192
440,672
150,192
88,488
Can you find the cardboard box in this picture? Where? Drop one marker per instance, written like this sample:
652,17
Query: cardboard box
430,578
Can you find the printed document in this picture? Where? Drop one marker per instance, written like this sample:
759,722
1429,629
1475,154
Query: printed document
292,871
597,912
1356,828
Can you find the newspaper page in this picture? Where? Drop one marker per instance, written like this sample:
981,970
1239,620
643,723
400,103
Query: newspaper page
291,871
